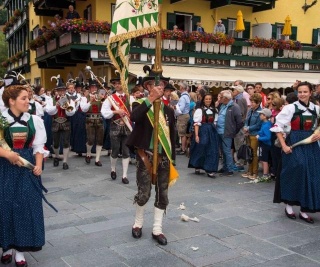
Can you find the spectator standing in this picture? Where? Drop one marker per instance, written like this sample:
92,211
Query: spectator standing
250,90
271,96
229,124
246,96
251,128
199,27
182,112
258,90
317,94
72,14
219,28
264,138
238,140
166,98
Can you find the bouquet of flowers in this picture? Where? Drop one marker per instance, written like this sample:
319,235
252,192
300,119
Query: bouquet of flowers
3,125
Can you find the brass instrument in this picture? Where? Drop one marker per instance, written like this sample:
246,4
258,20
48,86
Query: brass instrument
64,103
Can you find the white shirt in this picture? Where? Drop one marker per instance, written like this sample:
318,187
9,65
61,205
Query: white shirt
283,119
39,108
197,116
40,135
52,109
106,109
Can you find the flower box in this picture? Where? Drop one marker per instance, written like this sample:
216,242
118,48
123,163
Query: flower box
244,50
197,47
11,30
204,48
228,49
20,61
285,53
216,48
24,16
270,52
210,48
52,45
102,39
250,50
69,38
41,51
179,45
84,37
298,54
173,44
152,43
92,38
25,60
222,49
307,54
166,44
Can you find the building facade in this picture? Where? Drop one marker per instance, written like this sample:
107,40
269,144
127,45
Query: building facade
67,53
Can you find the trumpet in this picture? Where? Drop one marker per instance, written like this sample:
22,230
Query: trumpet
64,104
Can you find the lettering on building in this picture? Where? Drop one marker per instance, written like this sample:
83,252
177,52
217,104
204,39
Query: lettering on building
254,64
314,67
291,66
103,54
217,62
172,59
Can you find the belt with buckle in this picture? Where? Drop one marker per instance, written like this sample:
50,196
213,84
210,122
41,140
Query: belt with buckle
94,116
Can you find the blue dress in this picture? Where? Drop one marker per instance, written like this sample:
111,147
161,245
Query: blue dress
205,154
78,137
21,213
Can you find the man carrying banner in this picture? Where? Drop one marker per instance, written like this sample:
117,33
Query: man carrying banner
119,131
141,140
153,132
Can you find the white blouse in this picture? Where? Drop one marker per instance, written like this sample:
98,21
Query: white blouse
197,116
283,119
40,132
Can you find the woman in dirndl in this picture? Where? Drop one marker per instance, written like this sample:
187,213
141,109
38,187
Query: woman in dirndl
204,151
21,214
299,183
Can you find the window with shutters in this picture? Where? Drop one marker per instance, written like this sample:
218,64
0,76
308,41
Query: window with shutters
279,32
184,21
232,23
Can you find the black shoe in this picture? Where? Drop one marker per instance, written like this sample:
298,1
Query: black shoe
160,238
182,152
98,163
125,180
308,220
136,232
65,166
88,159
226,174
55,162
221,171
21,264
79,154
113,175
291,216
6,259
211,175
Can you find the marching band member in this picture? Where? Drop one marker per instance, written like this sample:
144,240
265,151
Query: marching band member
91,105
118,130
78,121
61,109
35,108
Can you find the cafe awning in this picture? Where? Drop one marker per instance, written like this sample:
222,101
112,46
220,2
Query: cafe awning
218,77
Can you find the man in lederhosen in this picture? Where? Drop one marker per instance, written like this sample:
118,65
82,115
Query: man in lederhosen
119,131
61,109
141,140
91,104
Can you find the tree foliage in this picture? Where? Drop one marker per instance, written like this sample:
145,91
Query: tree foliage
3,16
3,53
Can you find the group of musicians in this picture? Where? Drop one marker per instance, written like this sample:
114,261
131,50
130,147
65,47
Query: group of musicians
76,118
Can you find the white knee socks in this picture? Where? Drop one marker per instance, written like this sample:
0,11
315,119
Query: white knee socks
98,152
88,150
113,163
138,222
157,224
19,256
125,166
65,154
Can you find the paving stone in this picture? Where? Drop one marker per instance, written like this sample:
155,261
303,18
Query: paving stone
256,246
59,233
271,229
50,263
226,213
250,260
238,222
291,260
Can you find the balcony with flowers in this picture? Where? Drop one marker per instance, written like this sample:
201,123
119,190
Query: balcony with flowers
19,18
16,61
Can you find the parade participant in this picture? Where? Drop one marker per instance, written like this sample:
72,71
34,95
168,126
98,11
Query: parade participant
299,179
77,121
35,108
2,106
140,139
119,131
91,104
21,215
204,151
61,108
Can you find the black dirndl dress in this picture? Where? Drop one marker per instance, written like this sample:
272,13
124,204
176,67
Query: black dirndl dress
299,182
205,154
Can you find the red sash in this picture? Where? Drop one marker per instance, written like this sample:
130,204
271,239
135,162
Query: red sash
117,103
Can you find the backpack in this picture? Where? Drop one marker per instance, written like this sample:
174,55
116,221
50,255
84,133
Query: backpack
245,152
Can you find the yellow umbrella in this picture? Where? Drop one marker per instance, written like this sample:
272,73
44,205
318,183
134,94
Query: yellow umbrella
287,27
240,25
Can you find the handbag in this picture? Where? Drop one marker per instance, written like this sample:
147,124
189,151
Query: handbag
245,152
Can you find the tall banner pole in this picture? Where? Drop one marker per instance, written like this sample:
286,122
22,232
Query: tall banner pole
157,69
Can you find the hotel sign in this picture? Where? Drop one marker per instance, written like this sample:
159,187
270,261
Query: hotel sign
254,64
290,66
213,62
